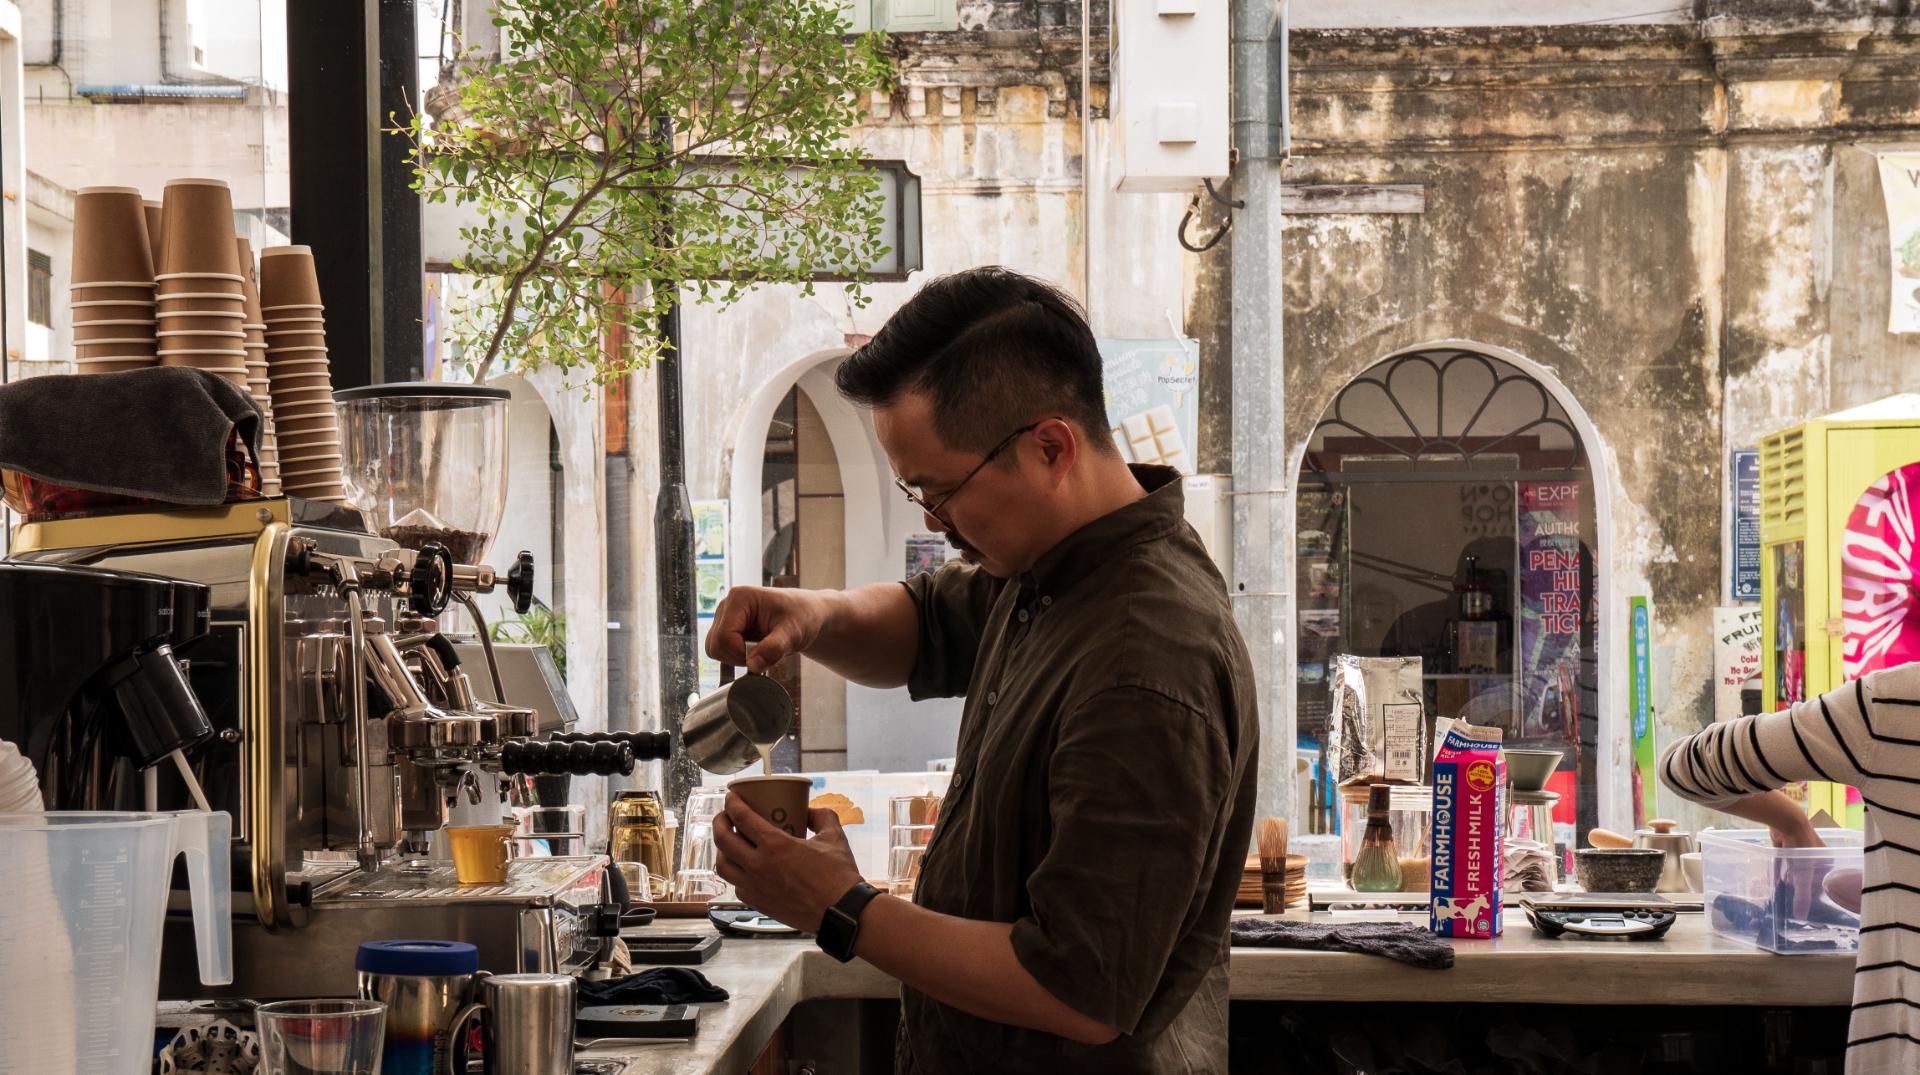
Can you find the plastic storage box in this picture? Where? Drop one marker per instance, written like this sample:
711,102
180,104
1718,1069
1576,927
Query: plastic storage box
1773,897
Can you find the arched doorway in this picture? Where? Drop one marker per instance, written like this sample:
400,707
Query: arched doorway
1446,511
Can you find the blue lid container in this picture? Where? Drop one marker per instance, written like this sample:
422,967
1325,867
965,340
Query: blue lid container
420,959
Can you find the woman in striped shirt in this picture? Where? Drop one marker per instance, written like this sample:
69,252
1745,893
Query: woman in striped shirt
1866,734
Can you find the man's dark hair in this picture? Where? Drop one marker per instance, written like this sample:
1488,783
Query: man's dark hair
993,350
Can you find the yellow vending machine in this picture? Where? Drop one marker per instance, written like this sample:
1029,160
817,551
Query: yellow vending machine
1838,551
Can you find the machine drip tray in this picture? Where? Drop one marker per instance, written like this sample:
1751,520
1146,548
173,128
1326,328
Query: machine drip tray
535,881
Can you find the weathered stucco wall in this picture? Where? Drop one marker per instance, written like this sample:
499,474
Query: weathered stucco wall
1669,219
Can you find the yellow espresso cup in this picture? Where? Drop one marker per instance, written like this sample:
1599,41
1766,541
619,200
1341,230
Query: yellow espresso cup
480,852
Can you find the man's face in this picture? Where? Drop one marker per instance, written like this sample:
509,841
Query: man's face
982,516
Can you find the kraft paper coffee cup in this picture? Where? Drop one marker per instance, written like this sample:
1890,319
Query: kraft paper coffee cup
153,227
118,328
120,291
196,228
288,342
112,365
110,236
781,799
287,276
141,351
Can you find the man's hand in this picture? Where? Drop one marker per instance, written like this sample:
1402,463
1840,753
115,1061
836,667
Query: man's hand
777,622
782,877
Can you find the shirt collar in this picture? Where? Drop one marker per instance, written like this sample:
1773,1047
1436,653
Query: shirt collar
1101,541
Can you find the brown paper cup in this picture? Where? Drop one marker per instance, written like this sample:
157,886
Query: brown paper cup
153,227
312,455
293,445
113,292
781,799
289,342
249,277
306,417
110,236
112,366
196,228
222,301
110,310
92,331
115,351
288,277
295,309
198,321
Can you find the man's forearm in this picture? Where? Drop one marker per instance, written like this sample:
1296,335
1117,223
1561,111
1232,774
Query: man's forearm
968,965
868,634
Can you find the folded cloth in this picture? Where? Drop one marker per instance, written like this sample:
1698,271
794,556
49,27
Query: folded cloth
661,985
1407,943
157,433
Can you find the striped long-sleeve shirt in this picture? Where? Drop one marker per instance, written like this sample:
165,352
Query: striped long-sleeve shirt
1866,734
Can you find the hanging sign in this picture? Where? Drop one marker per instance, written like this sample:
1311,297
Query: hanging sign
1746,525
1900,185
1736,657
1153,399
1551,596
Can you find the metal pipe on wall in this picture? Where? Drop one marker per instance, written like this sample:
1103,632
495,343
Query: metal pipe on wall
1262,586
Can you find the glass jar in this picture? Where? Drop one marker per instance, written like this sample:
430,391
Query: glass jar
1530,818
637,832
1412,820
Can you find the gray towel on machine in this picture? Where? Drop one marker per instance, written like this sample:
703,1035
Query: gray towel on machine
1407,943
157,433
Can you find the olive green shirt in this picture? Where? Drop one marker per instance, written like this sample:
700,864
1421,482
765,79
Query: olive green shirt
1103,791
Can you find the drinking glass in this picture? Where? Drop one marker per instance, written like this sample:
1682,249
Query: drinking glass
321,1037
694,886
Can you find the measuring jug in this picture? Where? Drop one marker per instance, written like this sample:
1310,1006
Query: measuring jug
85,899
724,730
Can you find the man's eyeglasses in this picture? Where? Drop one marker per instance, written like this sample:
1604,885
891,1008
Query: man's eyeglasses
933,509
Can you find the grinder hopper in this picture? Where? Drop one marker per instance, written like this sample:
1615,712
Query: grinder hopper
427,462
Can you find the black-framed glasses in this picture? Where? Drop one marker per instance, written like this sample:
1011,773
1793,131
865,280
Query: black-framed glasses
933,509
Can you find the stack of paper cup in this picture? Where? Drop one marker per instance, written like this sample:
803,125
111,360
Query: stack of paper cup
255,327
113,322
299,375
200,303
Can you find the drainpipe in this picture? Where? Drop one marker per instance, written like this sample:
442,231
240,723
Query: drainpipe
1261,588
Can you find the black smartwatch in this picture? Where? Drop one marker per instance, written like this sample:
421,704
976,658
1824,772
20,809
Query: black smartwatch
841,923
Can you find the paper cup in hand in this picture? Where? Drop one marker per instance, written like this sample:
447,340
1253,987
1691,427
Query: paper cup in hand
781,799
196,228
110,236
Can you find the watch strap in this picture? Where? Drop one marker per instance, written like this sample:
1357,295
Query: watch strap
840,926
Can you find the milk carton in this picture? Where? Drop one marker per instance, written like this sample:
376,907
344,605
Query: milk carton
1469,808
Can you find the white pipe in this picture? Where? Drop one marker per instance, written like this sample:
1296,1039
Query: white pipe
193,785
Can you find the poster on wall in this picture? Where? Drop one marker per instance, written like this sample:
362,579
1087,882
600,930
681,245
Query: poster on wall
1737,648
1746,525
1552,593
709,579
1900,185
1877,586
1152,399
1640,705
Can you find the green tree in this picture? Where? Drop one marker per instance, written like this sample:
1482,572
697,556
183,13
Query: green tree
618,150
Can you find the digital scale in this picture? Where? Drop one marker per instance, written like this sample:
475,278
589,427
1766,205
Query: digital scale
1601,915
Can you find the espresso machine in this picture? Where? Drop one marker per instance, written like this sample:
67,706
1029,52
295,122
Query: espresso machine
337,723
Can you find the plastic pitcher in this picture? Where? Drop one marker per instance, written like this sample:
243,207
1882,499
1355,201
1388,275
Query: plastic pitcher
83,897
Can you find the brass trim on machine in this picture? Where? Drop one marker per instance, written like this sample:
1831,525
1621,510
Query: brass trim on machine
139,528
266,825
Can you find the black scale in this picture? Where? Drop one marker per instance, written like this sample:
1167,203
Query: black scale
1588,916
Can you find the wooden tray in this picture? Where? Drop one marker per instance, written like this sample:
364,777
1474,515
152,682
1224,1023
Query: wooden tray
676,908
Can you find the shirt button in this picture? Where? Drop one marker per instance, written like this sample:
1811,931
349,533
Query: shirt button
993,697
1046,601
959,780
1024,616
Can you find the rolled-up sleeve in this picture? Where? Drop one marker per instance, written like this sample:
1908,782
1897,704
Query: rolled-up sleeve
1839,736
1140,790
953,604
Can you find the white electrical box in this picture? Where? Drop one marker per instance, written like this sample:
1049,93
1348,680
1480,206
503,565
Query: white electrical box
1169,94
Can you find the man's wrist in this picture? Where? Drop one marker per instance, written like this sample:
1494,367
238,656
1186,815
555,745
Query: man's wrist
840,925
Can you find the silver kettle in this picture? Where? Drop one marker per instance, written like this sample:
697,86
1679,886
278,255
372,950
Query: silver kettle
725,729
1659,835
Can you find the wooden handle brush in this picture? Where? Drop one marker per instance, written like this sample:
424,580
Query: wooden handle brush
1273,864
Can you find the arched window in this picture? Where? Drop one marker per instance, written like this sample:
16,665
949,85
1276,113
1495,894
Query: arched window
1446,512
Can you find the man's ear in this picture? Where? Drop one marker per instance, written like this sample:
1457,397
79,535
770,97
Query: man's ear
1059,446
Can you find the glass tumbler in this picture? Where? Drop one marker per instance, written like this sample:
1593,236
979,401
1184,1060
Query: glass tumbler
321,1037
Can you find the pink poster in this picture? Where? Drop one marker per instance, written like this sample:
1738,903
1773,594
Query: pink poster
1877,578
